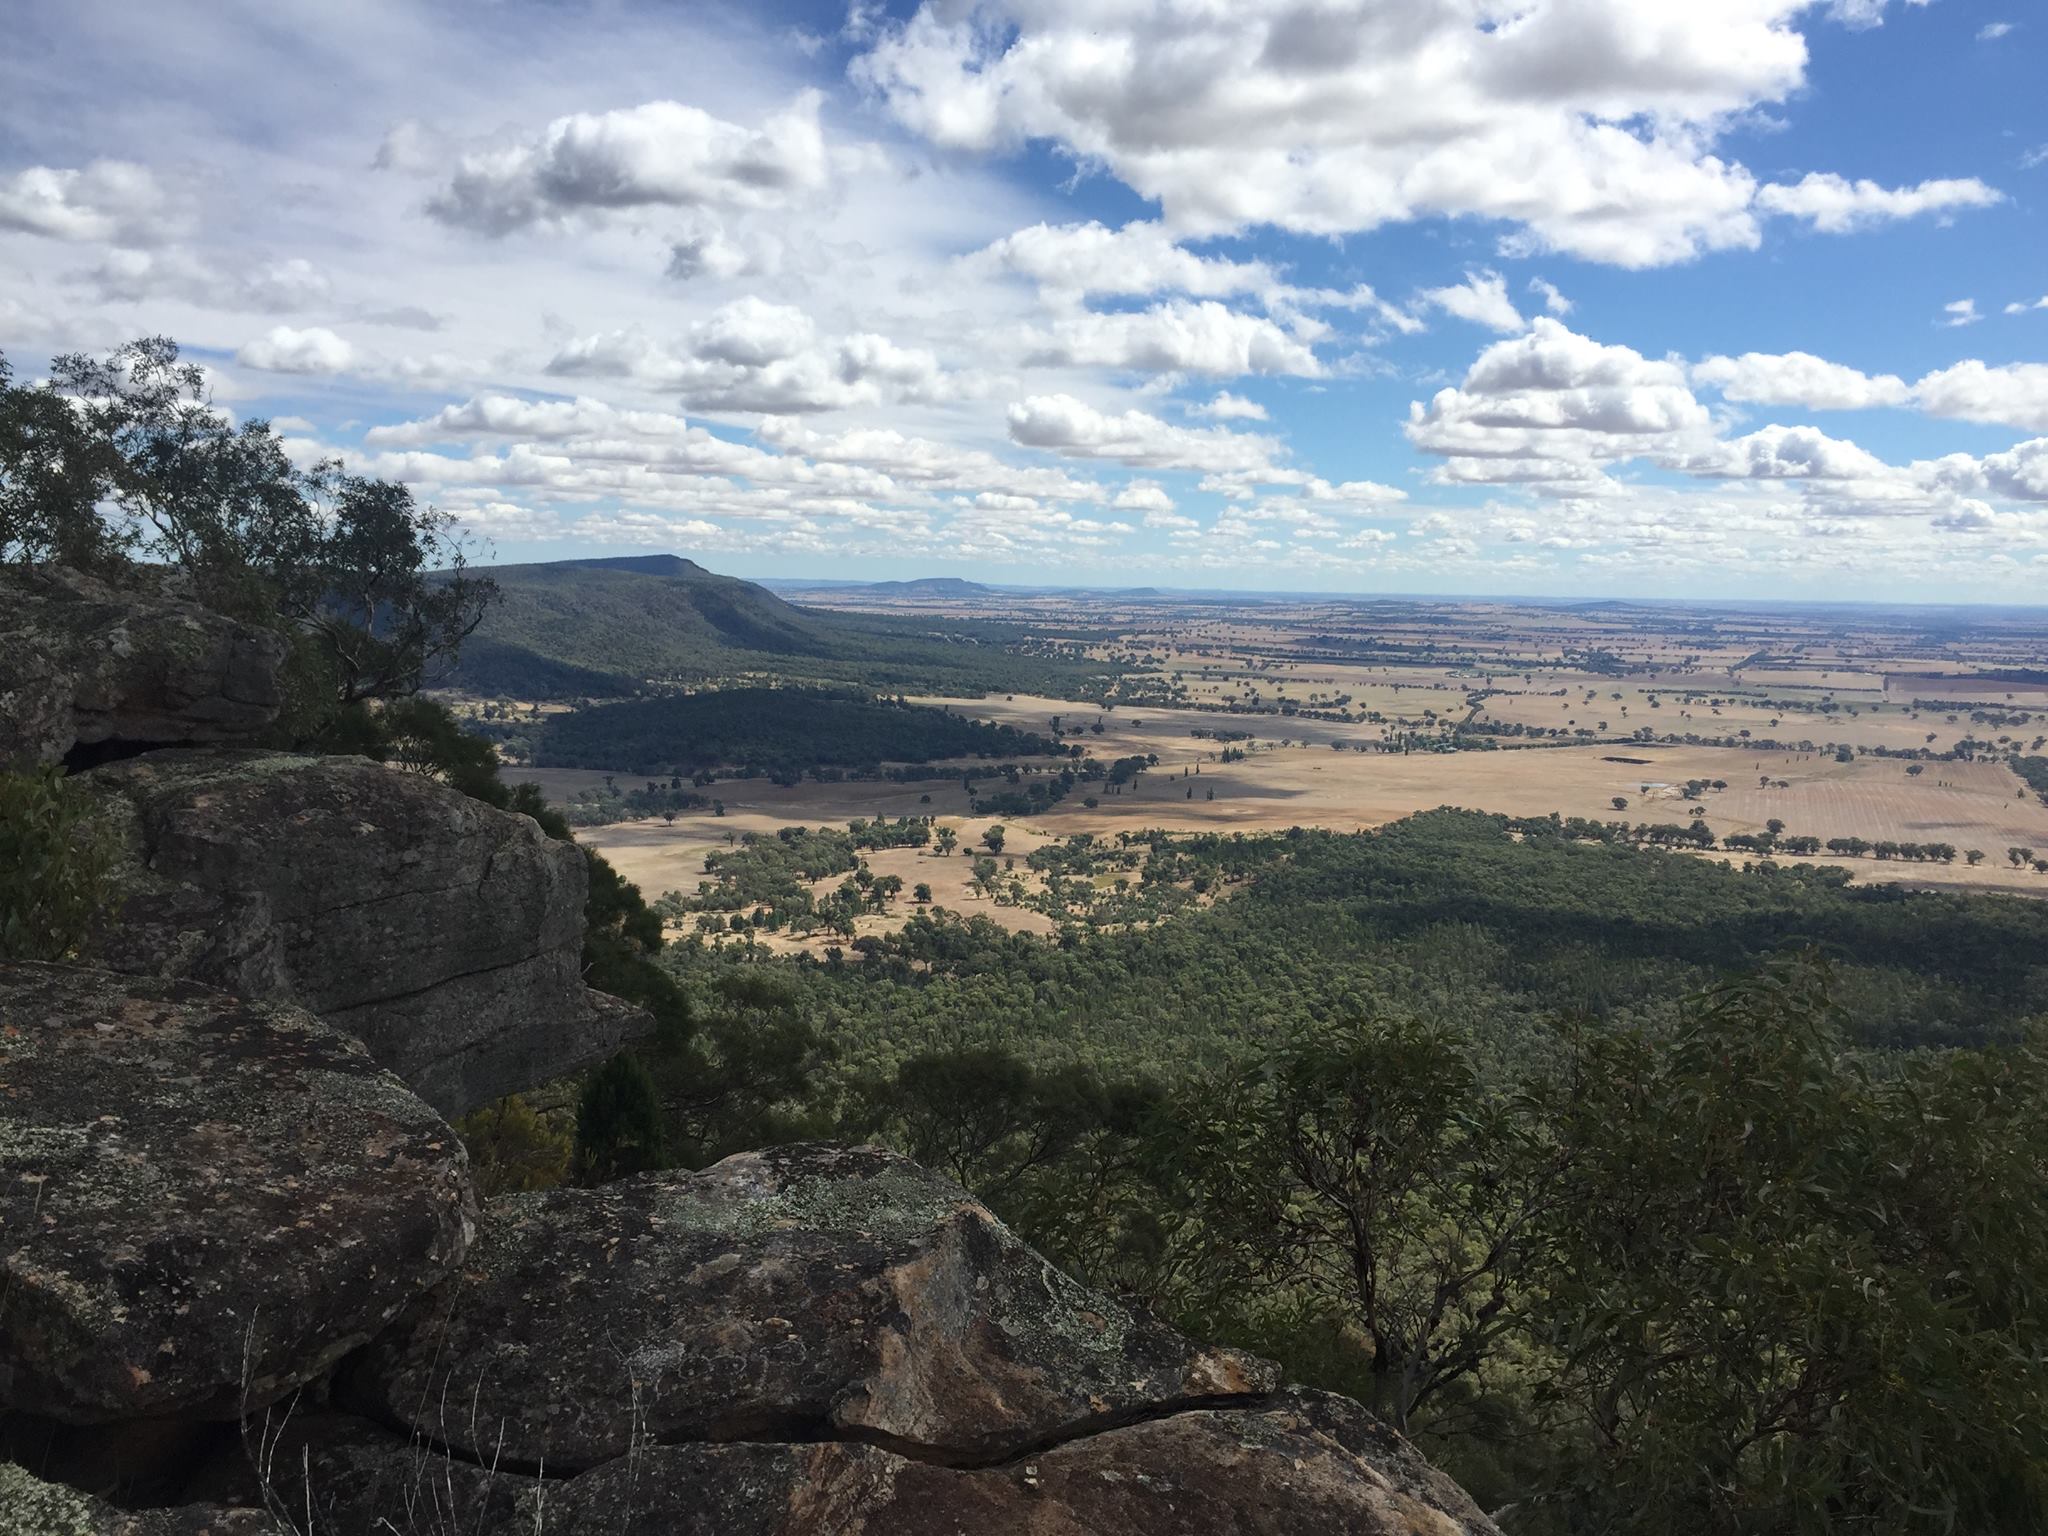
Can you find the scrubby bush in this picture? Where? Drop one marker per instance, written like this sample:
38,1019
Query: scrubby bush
56,865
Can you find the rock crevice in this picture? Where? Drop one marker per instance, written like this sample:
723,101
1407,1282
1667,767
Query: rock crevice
1289,1463
838,1287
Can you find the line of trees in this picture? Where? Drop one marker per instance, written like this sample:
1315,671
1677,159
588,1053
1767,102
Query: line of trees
123,468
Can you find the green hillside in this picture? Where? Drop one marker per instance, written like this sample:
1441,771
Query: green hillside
600,627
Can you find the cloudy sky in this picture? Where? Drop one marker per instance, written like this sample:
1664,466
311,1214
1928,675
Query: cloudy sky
1724,298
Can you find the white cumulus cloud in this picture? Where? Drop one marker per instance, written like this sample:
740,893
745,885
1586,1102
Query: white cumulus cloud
111,200
658,154
1835,205
757,356
314,350
1071,427
1798,378
1589,125
1482,299
1175,337
1137,258
2015,395
1228,407
1554,405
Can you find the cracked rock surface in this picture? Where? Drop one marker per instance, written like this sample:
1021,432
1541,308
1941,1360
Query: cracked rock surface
1287,1464
442,932
87,664
804,1292
204,1202
1300,1464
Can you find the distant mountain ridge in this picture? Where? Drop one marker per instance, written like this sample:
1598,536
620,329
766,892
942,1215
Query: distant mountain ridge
926,586
946,587
606,626
644,565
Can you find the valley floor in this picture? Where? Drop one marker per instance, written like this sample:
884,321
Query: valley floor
1311,783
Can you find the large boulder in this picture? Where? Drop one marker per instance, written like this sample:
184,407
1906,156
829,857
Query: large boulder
1300,1464
1290,1464
341,1475
31,1507
204,1202
444,933
91,669
805,1292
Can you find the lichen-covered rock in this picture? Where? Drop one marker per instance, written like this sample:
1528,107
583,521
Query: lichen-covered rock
339,1474
1302,1464
804,1291
31,1507
1292,1464
88,665
204,1202
442,932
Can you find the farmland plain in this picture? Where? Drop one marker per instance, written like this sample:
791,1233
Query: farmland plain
1257,715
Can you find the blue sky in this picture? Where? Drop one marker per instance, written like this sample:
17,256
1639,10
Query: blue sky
1741,298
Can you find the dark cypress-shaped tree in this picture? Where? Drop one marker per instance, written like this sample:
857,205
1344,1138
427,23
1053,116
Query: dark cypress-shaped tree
618,1123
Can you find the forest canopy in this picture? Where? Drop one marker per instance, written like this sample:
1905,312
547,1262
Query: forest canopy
1450,915
1648,1193
771,730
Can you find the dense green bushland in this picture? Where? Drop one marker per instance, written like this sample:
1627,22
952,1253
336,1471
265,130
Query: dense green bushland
1467,1120
1449,916
779,731
123,468
1721,1278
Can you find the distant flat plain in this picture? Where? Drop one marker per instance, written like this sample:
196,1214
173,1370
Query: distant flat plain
1334,705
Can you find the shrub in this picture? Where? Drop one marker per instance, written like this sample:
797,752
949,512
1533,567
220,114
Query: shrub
513,1148
618,1123
56,866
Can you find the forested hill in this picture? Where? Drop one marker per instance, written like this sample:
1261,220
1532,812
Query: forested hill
603,627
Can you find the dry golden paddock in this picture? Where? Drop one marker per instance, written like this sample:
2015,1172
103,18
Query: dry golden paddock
1424,668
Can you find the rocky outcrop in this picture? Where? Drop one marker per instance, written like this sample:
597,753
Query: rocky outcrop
31,1507
444,933
242,1269
811,1341
90,669
1288,1464
1299,1464
204,1202
804,1292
